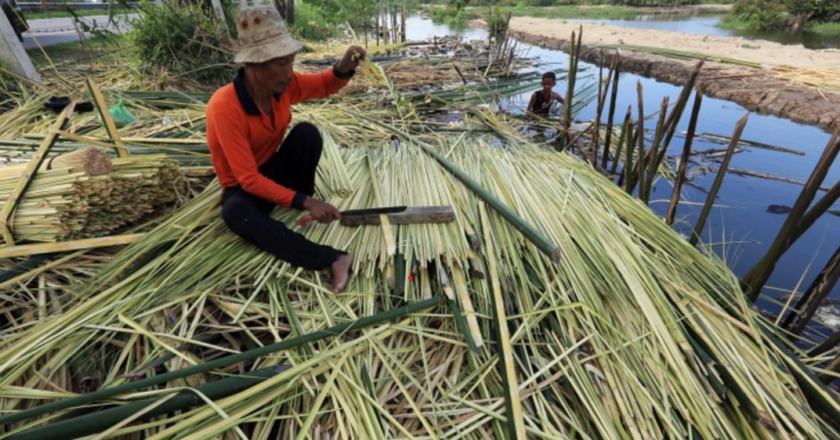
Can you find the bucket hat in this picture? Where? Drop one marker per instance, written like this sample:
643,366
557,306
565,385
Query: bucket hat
263,36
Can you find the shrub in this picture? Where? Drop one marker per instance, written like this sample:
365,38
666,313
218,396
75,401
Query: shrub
497,22
761,14
451,15
790,14
311,23
183,39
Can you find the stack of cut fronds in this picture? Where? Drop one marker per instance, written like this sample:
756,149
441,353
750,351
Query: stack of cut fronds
680,54
72,202
91,161
634,334
822,78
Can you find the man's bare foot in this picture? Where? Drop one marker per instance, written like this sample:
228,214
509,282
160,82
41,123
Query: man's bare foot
340,269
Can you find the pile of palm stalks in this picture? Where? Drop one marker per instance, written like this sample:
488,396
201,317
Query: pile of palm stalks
828,79
630,333
72,202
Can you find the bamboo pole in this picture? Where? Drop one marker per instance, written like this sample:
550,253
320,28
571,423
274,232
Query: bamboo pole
791,230
90,424
574,57
602,100
833,367
513,405
110,127
825,346
28,250
29,173
622,137
610,118
221,362
640,133
813,298
707,208
679,108
692,128
651,162
819,208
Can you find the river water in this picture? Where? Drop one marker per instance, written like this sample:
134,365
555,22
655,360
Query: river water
707,25
739,229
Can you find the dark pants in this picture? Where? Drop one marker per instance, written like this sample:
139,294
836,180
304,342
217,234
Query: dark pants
292,166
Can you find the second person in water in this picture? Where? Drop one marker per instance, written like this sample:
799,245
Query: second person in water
542,100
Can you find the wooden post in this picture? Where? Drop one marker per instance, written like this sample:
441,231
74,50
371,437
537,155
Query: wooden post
402,23
220,14
811,301
707,208
12,53
689,139
110,127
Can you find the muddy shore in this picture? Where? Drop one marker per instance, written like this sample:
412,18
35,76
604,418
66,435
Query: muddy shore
755,89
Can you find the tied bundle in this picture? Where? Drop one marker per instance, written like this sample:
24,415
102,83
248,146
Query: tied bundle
86,194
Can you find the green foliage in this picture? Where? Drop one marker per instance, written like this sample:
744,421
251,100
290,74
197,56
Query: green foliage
822,11
451,15
497,22
183,39
825,29
761,15
792,15
328,8
311,23
358,13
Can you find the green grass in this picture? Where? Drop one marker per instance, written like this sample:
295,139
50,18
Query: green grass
61,13
822,29
825,29
733,23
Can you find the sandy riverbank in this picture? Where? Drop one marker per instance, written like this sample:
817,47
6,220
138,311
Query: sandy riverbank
766,53
756,89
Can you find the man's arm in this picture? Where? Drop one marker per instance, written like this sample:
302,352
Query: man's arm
321,85
533,101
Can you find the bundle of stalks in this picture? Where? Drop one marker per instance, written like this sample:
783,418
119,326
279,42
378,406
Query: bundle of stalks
681,54
634,334
138,186
53,208
71,203
823,78
90,161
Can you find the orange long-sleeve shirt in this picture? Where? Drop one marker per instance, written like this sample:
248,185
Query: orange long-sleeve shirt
242,138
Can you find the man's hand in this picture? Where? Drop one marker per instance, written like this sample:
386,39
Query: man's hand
321,212
352,59
558,97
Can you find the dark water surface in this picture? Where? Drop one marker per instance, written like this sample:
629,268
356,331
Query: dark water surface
739,228
707,25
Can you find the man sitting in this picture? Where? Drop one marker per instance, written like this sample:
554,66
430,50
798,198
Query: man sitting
247,122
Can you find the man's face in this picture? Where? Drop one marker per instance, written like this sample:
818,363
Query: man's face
547,84
276,74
